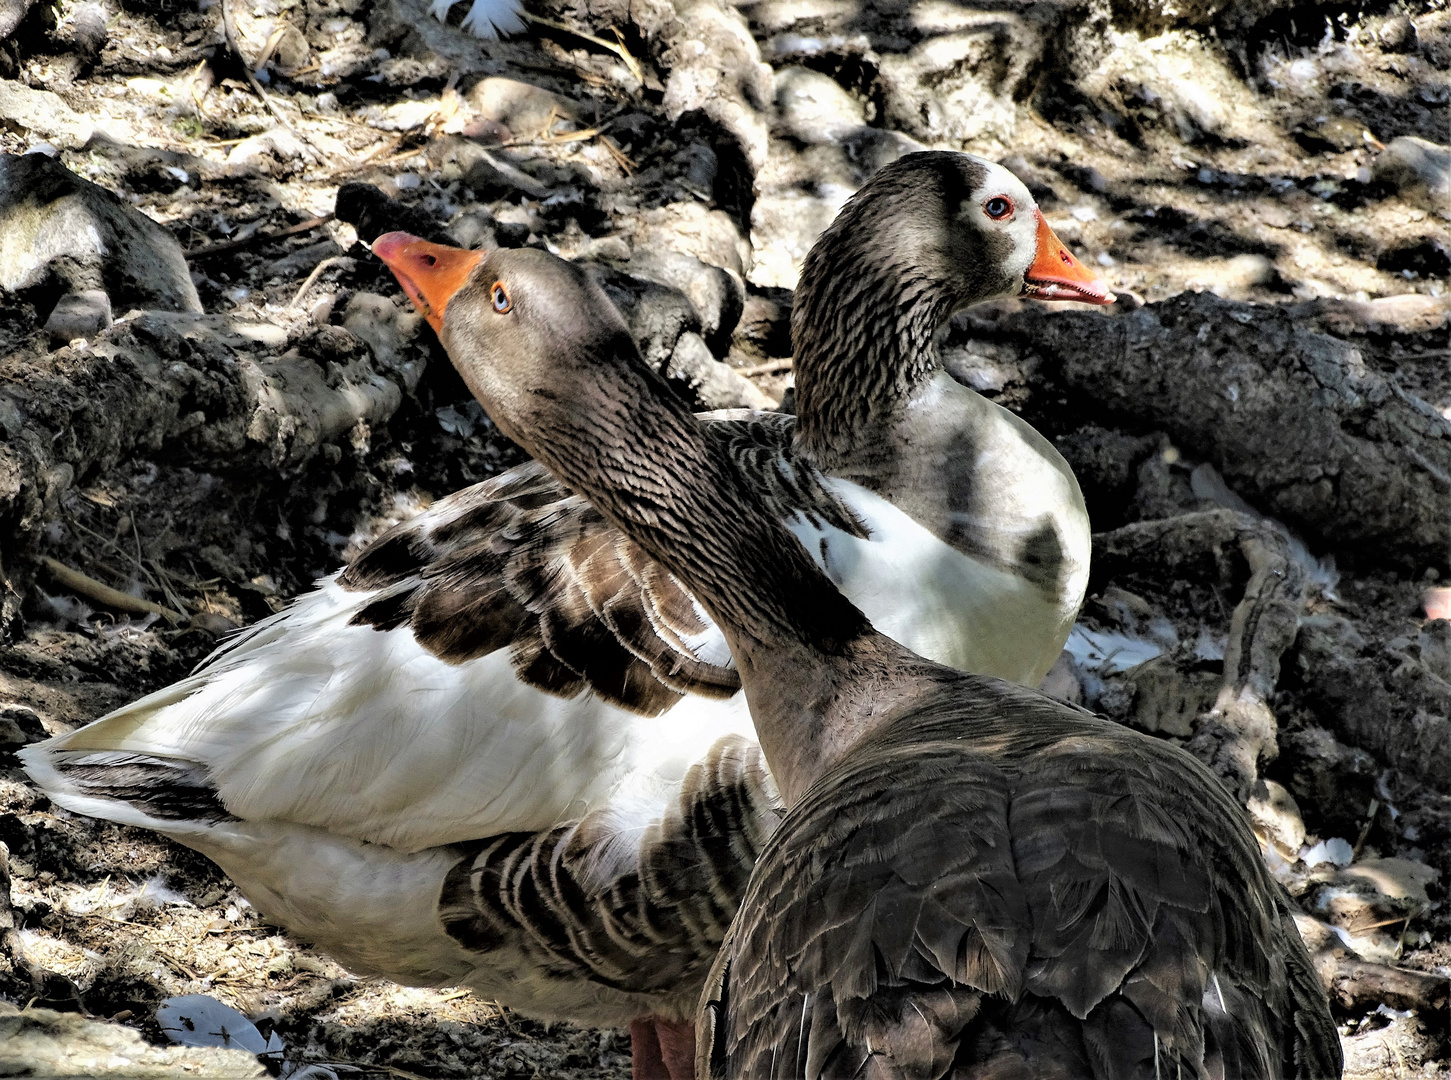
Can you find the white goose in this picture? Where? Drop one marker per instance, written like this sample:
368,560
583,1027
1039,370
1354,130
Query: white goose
505,749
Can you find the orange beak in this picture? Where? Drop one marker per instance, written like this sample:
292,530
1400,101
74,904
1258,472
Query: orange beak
429,273
1057,275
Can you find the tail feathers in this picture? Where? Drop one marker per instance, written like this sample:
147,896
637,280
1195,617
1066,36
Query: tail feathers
487,19
173,797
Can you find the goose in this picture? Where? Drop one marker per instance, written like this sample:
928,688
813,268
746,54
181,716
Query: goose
504,749
972,879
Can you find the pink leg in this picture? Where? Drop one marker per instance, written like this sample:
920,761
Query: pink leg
645,1060
677,1047
662,1049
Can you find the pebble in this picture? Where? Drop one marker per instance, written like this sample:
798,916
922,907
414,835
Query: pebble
814,108
81,314
1399,35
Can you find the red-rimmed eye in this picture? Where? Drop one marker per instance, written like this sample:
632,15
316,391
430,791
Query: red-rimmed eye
502,303
998,207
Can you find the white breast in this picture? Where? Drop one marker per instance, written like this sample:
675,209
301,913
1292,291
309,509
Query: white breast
932,598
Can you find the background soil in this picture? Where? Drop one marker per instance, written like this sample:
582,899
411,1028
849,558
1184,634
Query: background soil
1233,153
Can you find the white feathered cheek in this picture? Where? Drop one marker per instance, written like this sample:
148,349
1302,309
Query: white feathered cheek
1002,207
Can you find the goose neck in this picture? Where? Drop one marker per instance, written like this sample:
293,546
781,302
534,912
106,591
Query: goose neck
862,351
817,676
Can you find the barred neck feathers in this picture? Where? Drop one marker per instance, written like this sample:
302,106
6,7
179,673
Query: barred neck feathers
553,364
908,250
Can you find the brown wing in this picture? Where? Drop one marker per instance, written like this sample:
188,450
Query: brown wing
603,899
520,562
1004,890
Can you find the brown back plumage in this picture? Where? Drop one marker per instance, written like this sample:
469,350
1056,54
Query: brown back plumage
993,888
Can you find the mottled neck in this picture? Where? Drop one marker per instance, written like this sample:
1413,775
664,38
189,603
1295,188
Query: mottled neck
861,348
817,676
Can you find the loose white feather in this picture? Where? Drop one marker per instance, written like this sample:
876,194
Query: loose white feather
487,19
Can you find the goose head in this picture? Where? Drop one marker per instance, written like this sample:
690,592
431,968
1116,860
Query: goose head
524,328
929,234
939,231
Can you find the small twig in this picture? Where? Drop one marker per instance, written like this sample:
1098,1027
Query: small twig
273,40
1384,922
258,238
625,55
555,140
404,156
231,33
317,272
1401,937
92,589
387,146
621,158
770,366
1370,812
618,49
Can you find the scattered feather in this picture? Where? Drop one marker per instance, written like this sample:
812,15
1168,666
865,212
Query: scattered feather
1108,652
200,1020
487,19
1335,850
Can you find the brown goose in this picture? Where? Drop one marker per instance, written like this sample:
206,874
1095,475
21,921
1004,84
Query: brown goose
973,879
506,749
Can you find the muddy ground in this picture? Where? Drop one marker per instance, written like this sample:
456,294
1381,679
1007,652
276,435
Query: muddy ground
1265,462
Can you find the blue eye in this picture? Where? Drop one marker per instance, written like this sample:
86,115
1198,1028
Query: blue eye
998,207
502,303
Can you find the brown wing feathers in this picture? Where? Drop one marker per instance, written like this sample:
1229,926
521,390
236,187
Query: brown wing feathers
636,909
953,904
520,563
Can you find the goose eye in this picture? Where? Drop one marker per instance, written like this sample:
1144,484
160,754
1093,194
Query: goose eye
998,207
502,303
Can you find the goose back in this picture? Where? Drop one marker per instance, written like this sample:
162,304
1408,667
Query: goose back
997,887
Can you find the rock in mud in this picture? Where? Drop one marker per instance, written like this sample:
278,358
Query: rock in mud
959,85
717,296
218,393
11,14
524,110
827,152
79,315
656,314
710,383
1295,420
43,115
60,233
715,68
1418,170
